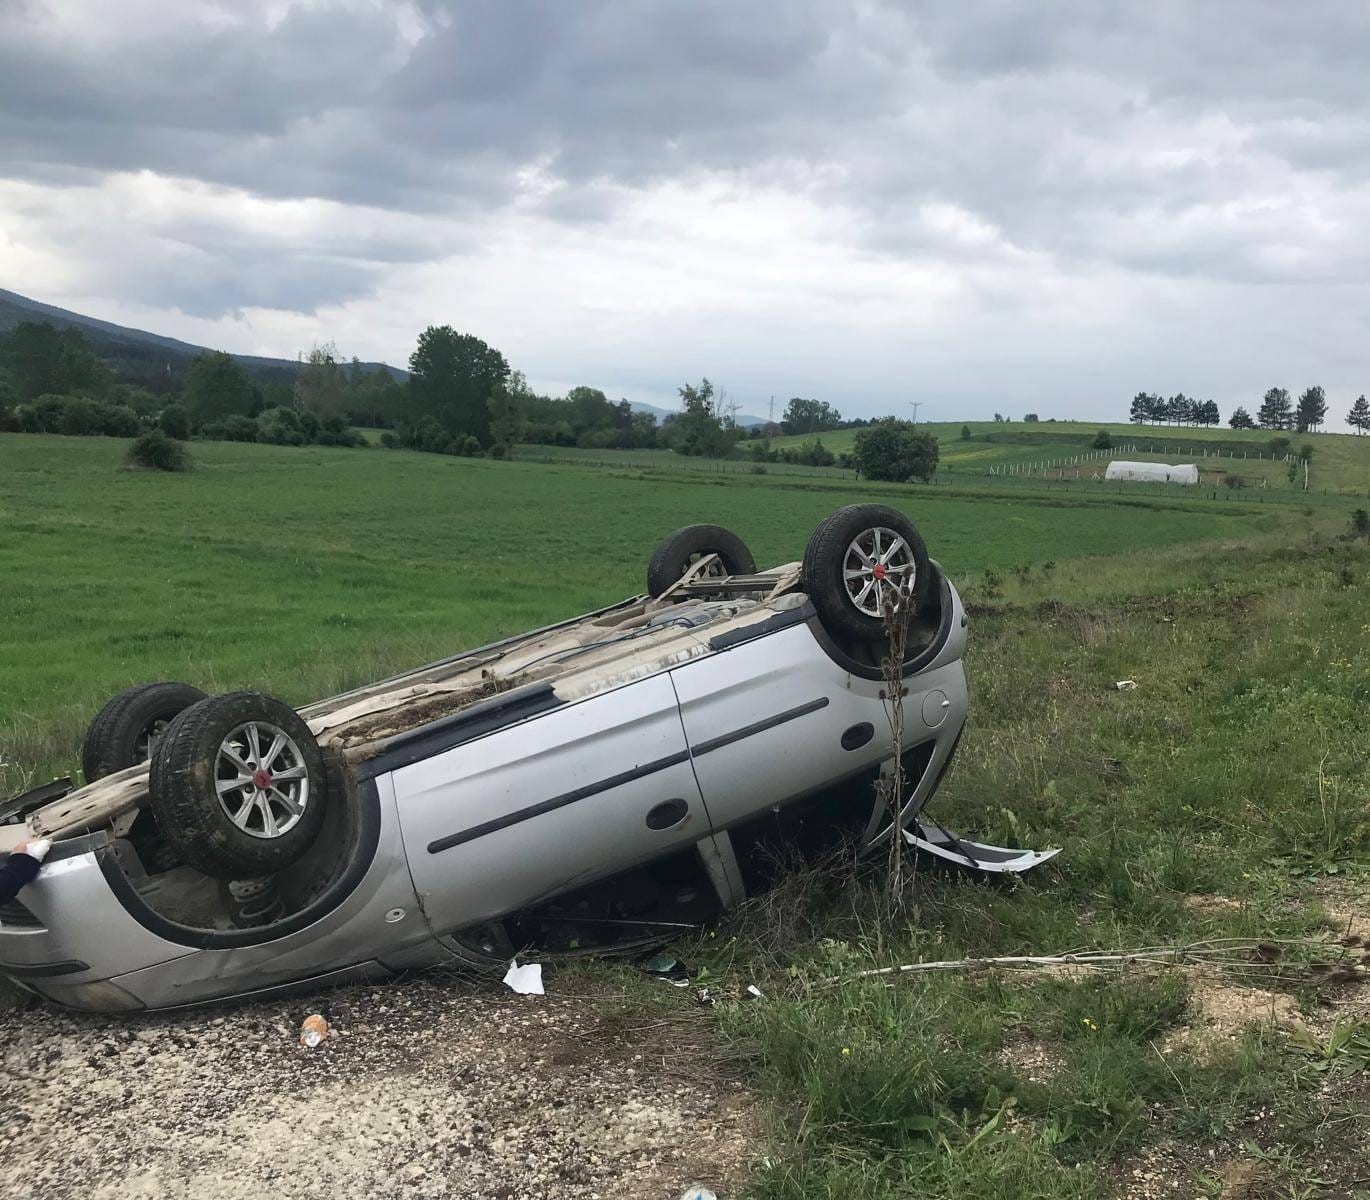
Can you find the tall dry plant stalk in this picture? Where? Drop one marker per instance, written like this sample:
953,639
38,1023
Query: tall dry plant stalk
898,616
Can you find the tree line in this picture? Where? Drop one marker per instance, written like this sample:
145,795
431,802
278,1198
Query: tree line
1277,410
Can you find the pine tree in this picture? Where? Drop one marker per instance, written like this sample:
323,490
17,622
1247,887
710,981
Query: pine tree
1359,416
1312,410
1241,419
1275,412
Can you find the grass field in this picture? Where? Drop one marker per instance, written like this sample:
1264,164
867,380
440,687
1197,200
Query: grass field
304,570
1225,797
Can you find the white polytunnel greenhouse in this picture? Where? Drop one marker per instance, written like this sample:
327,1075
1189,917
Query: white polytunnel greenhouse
1151,472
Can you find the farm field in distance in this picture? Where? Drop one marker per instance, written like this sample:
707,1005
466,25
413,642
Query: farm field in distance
1340,460
301,571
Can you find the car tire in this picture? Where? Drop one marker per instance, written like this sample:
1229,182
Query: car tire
124,732
678,550
845,543
259,825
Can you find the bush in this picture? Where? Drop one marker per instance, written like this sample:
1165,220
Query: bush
1278,446
1103,440
1233,481
78,415
895,452
391,441
158,452
174,421
9,421
757,468
280,427
236,428
965,433
1360,523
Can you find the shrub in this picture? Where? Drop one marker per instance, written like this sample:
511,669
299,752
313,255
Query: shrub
1103,440
158,452
1360,523
1278,446
1233,481
9,421
78,415
896,452
280,427
391,441
235,428
174,421
757,468
965,433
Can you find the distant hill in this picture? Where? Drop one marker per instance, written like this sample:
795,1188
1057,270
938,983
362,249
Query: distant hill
140,356
152,360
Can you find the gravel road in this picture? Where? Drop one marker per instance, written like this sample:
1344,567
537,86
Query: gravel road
425,1088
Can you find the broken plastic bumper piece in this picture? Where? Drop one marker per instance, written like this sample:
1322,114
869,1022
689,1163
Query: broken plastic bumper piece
974,856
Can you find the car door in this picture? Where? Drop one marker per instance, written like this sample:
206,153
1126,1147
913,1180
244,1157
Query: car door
765,721
556,801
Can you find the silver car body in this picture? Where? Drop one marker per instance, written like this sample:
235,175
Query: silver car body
682,727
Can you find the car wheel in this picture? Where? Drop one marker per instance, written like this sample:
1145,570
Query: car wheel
672,558
854,562
238,786
124,732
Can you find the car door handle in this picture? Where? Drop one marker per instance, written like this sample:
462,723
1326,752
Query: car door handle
667,813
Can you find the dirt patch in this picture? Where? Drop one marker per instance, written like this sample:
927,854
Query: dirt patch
426,1089
1030,1059
1212,906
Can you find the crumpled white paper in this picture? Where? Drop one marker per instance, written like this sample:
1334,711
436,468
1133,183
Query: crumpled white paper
525,980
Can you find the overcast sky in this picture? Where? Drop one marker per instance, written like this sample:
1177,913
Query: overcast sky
982,206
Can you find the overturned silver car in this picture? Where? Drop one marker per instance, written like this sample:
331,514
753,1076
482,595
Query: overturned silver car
595,785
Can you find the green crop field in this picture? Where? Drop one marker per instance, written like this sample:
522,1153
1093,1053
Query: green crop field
304,570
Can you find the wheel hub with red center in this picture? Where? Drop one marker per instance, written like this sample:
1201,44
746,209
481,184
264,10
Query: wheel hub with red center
878,570
261,777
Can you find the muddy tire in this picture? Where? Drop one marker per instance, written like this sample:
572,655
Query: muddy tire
238,786
678,550
124,732
851,561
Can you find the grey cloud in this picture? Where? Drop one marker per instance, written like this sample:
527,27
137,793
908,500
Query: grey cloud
1160,139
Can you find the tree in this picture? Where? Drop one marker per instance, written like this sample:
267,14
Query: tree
1180,409
451,378
217,386
1359,416
42,360
697,431
1143,408
1207,413
320,385
1275,411
508,413
1312,410
1103,440
590,410
895,451
809,416
1031,418
1241,419
965,433
174,422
